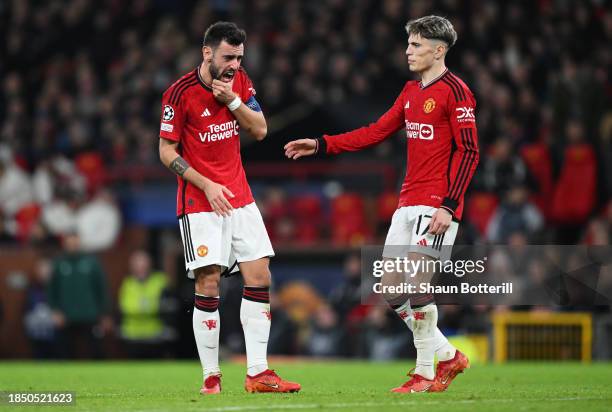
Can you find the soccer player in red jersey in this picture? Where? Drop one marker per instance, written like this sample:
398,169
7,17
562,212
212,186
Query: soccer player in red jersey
437,114
221,227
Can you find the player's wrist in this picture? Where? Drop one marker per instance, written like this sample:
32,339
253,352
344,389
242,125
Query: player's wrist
450,205
234,104
321,147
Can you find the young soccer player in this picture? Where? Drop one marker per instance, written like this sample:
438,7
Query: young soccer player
221,227
437,113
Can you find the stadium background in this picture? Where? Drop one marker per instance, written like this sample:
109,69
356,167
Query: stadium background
81,83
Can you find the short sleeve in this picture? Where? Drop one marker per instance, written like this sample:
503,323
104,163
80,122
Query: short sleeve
247,90
172,116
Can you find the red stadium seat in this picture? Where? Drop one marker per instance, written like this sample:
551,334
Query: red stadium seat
348,220
307,211
576,190
386,206
307,206
537,159
480,208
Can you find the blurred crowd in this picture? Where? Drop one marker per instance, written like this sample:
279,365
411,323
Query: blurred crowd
82,80
80,92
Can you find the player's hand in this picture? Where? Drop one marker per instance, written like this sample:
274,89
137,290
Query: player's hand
299,148
215,193
223,91
440,221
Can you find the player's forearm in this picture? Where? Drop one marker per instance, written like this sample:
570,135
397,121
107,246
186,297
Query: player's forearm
251,121
367,136
467,158
179,166
358,139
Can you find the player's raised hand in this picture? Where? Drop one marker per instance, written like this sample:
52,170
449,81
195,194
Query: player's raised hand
215,193
301,147
223,91
440,221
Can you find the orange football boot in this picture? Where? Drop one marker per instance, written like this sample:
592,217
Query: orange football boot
211,385
269,381
446,371
415,384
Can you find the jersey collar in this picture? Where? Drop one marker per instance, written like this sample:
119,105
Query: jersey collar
204,85
422,86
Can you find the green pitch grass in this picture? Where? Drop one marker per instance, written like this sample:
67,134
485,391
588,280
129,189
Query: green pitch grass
340,386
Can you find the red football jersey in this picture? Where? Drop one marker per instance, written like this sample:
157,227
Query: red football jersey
442,142
208,136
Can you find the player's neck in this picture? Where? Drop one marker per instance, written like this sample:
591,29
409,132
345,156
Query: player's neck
432,73
205,76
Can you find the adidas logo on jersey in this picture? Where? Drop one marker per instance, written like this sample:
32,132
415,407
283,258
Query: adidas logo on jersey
205,113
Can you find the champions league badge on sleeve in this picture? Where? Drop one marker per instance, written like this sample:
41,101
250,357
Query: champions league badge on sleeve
168,113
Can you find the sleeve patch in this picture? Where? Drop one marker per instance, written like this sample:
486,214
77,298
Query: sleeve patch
465,116
168,113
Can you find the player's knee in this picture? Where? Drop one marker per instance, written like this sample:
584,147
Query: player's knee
256,273
258,279
207,280
392,288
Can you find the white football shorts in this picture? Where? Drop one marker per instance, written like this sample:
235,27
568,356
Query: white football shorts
409,233
209,239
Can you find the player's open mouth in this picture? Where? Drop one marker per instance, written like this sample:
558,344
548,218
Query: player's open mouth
228,75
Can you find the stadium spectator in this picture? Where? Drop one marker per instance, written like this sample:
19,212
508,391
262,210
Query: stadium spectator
140,298
501,168
575,193
515,214
347,295
98,222
15,190
79,298
383,336
38,317
326,336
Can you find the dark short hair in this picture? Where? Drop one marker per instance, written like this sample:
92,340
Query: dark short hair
224,30
433,28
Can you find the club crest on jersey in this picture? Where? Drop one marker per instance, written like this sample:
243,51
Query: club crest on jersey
168,113
429,105
202,251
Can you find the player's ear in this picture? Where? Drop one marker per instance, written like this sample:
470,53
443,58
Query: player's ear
440,51
207,54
